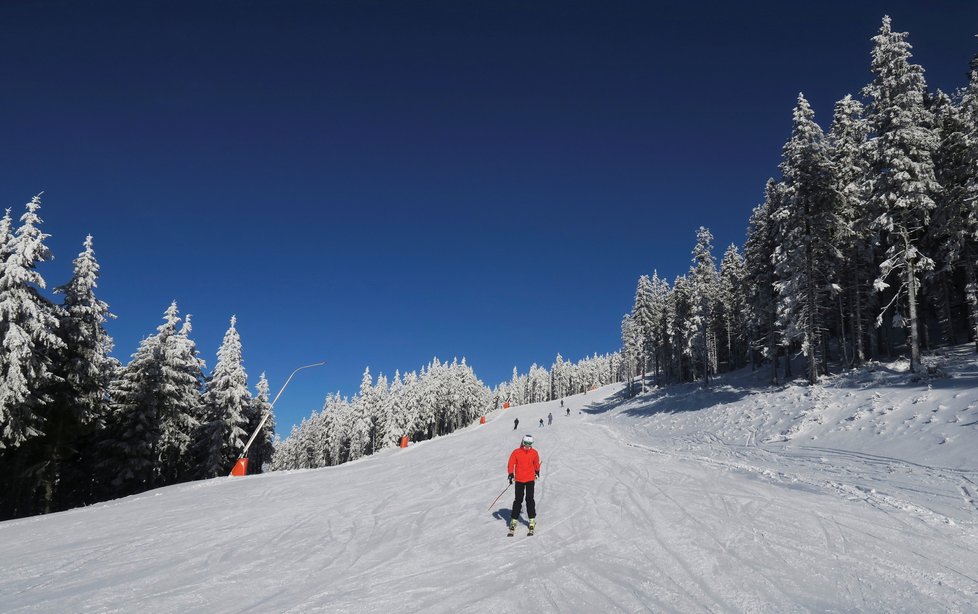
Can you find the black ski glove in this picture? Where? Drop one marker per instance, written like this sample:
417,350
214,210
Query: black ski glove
538,474
511,478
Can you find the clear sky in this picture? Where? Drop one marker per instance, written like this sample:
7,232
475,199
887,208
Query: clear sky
378,183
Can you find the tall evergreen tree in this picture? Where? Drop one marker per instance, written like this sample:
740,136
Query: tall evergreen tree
903,168
644,320
28,333
227,403
263,447
81,398
733,303
183,413
362,411
857,242
762,239
807,257
704,291
155,411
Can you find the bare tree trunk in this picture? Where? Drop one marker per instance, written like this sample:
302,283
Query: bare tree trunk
914,337
842,332
859,334
971,291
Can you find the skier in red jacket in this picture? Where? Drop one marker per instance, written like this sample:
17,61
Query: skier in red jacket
524,467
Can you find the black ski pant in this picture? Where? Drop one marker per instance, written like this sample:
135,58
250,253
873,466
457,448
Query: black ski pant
531,505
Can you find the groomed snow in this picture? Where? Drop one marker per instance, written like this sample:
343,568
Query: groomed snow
860,494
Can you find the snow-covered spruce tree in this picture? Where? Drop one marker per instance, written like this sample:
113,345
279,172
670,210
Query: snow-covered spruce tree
409,393
660,326
362,412
734,307
857,241
81,397
286,455
644,320
904,141
131,438
427,400
385,436
226,407
183,415
679,310
762,295
28,333
949,239
516,390
539,384
807,257
631,340
704,294
558,378
263,447
474,396
336,415
969,115
397,419
155,412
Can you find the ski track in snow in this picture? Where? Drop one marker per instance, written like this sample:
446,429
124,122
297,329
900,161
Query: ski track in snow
651,505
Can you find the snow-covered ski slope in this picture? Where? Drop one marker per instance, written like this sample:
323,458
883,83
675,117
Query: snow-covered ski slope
857,495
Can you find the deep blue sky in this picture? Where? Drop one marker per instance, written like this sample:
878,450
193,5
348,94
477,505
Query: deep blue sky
379,183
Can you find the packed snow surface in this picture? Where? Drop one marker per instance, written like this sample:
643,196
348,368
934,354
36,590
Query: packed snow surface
859,494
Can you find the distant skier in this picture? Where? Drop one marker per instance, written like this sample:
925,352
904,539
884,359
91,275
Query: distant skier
524,468
550,418
568,411
516,424
541,421
561,402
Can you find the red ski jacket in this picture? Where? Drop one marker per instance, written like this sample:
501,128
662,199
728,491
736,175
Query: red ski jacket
524,464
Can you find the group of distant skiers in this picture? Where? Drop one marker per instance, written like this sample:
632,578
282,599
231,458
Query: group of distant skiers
550,418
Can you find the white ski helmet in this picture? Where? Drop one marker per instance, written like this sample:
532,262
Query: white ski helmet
527,440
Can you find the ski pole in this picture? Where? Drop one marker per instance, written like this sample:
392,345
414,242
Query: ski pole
500,495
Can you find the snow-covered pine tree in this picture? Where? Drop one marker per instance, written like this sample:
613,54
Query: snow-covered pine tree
515,389
383,415
734,307
660,324
558,379
950,239
631,341
857,241
226,405
410,405
155,404
263,447
182,414
131,438
397,416
426,399
286,455
644,319
704,292
904,141
362,411
807,257
969,115
336,426
81,398
762,295
28,333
